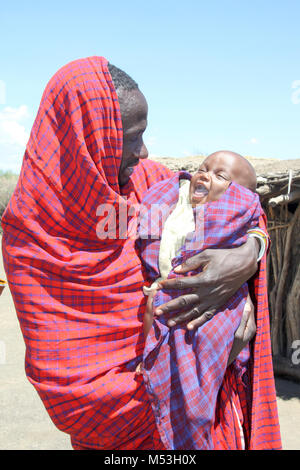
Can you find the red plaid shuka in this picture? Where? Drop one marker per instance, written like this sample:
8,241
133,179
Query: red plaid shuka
199,403
79,299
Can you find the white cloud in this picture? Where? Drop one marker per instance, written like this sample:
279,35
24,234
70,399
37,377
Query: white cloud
12,131
253,141
13,136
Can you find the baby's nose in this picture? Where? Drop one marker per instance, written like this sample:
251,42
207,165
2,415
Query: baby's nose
205,175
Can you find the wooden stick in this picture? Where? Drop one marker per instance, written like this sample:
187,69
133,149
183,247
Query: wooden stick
284,198
263,190
277,227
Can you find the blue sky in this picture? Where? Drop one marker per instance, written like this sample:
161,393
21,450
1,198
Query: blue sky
218,74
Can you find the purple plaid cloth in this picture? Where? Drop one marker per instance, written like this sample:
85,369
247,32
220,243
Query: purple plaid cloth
184,370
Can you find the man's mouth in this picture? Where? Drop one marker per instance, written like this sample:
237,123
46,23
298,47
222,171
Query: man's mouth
129,169
133,164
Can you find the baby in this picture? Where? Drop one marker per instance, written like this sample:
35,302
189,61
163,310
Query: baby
209,183
183,369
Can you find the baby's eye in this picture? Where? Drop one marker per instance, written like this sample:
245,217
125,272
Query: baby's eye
224,177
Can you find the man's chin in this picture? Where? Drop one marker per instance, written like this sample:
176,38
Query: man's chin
125,175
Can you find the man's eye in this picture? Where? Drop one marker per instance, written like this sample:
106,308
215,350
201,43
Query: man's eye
128,140
135,137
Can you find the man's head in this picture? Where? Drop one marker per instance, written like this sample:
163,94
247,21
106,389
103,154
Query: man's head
216,173
134,110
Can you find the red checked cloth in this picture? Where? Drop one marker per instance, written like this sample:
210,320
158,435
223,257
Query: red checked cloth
79,299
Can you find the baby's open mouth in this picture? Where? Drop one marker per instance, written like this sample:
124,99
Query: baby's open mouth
200,190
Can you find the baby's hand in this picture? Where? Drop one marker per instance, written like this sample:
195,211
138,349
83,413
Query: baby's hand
139,369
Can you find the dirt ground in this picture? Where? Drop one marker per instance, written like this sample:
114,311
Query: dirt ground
25,424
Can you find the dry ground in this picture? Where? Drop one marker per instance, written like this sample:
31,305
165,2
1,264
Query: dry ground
25,425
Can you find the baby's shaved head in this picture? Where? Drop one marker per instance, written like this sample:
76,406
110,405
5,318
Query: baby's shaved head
241,169
216,173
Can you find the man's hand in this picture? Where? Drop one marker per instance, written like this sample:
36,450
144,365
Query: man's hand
245,331
224,272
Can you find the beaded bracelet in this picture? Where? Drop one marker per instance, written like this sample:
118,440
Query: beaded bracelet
263,240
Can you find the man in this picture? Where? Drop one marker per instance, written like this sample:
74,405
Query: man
79,297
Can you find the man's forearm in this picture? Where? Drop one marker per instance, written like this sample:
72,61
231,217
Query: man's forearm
253,247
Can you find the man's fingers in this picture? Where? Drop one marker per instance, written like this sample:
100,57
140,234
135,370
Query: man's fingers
182,303
182,318
194,317
197,322
195,262
180,283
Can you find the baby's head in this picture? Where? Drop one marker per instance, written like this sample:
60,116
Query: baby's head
216,173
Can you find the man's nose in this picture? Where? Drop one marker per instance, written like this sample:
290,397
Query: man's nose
142,152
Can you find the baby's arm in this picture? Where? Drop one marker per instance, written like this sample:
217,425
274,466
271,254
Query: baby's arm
148,315
147,324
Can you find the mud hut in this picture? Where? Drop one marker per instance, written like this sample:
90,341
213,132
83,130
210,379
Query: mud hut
280,196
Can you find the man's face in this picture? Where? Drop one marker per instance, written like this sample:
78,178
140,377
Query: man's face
134,110
212,178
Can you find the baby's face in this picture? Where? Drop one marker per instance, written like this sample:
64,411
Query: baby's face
213,178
